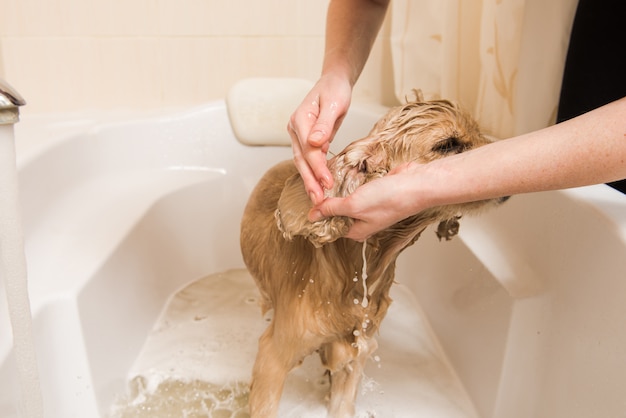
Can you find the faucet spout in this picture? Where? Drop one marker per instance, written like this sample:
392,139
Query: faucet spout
10,101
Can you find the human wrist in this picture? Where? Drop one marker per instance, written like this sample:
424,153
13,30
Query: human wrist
423,186
341,72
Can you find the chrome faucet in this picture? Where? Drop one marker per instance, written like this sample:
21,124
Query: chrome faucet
10,101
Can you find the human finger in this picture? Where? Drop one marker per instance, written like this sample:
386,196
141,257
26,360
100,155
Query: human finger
359,231
311,183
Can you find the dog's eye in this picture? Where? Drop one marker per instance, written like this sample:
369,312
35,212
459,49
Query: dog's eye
451,145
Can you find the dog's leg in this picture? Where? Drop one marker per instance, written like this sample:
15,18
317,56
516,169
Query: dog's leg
346,362
268,377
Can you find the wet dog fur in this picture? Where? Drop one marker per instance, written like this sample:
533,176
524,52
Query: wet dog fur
311,277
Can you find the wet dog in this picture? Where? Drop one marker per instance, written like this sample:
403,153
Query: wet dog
329,294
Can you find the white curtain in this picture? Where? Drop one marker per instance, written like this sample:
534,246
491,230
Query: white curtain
501,59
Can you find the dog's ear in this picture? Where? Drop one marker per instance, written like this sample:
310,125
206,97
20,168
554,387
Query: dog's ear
293,208
291,216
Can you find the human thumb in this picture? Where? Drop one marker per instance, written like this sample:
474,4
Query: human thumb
328,208
323,130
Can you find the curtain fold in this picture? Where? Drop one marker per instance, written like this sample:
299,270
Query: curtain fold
502,59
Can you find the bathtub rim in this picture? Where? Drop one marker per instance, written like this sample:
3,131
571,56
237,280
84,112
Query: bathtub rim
38,132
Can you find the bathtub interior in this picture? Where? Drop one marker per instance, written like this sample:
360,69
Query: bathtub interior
526,304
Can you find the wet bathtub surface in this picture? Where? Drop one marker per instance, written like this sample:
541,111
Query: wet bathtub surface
204,346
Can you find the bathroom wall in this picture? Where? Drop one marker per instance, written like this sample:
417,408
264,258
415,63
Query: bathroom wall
67,55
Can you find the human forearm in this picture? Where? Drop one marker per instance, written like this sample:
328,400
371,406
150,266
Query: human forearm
586,150
351,28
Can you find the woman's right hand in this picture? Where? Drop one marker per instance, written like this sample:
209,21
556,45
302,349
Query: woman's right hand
312,128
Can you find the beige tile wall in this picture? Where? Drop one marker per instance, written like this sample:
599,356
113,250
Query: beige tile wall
84,54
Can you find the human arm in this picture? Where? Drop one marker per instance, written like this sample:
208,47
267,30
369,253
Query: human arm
589,149
351,28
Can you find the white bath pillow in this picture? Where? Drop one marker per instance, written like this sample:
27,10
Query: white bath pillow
259,108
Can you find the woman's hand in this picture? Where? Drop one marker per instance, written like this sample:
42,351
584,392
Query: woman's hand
378,204
351,28
312,128
588,149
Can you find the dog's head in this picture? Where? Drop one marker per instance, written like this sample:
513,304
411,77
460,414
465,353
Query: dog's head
419,131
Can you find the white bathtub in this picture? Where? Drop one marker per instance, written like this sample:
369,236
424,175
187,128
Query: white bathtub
528,303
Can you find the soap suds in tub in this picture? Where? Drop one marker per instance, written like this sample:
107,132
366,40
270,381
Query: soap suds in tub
198,358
